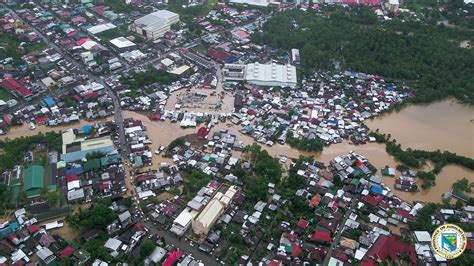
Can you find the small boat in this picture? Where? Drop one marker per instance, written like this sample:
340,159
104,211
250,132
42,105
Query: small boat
31,126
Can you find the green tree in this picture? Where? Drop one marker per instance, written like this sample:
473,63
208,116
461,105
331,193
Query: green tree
52,197
147,248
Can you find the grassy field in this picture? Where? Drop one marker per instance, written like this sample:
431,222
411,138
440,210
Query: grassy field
5,95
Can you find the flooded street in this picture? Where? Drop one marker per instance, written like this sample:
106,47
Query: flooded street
23,130
445,125
163,132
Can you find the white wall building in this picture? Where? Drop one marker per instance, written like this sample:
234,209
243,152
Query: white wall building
252,2
262,74
154,25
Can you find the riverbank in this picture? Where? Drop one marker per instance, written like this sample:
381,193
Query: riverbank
444,125
163,132
414,126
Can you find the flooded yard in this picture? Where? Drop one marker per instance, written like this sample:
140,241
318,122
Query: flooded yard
163,132
444,125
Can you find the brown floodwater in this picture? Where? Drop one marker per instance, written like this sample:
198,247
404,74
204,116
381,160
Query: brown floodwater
23,130
163,132
445,125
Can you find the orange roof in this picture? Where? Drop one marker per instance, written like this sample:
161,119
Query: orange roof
314,202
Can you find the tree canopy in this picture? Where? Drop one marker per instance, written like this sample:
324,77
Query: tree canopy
426,56
98,216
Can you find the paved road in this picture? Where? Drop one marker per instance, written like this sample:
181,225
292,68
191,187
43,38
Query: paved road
339,233
93,77
182,244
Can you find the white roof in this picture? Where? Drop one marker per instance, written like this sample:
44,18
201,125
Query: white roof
100,28
73,185
155,20
146,194
44,253
88,45
157,255
167,62
122,42
113,244
252,2
422,236
183,219
75,194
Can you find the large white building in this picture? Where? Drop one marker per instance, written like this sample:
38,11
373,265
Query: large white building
213,210
252,2
262,74
154,25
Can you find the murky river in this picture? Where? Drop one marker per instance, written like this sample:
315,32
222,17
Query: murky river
443,125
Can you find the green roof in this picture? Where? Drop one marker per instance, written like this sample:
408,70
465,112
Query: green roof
355,181
33,180
137,161
92,164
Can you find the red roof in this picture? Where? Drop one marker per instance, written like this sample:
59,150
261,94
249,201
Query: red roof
314,202
140,227
172,257
41,119
71,177
295,250
11,236
155,117
66,252
321,236
373,201
13,85
302,223
202,132
7,119
32,228
386,247
404,214
92,94
82,41
251,112
218,55
469,244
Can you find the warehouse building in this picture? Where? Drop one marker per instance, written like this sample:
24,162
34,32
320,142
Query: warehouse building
154,25
214,209
75,148
262,74
122,44
33,181
183,222
252,2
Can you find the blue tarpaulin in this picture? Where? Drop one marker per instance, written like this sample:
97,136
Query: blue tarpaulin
376,189
76,170
86,129
49,101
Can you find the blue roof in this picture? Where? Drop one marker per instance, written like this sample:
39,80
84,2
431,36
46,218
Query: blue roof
77,170
12,227
390,88
86,129
49,101
376,189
